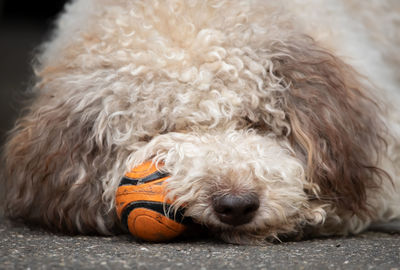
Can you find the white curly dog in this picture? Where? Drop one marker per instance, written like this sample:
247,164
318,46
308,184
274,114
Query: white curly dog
274,118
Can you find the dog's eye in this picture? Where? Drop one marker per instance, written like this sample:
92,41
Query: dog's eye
256,125
262,127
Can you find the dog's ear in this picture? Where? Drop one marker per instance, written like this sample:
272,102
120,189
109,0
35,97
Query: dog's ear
52,168
334,122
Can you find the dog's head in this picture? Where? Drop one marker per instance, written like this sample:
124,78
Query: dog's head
273,144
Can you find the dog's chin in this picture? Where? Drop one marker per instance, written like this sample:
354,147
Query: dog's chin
253,234
243,234
249,233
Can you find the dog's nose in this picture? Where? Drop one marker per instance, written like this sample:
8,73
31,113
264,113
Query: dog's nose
236,210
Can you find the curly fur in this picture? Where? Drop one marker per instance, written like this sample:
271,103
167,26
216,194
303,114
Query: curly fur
294,101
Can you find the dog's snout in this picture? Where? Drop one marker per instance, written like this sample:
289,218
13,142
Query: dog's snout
236,210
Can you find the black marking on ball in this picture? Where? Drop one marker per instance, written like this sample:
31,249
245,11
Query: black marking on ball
156,207
127,181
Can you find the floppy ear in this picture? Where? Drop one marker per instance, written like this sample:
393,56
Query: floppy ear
335,125
52,170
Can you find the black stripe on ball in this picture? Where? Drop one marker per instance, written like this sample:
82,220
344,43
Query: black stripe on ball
127,181
156,207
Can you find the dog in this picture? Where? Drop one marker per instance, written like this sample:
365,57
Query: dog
273,119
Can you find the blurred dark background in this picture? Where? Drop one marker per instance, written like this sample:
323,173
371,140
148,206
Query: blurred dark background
24,25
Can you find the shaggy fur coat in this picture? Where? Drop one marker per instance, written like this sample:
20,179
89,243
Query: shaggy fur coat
295,102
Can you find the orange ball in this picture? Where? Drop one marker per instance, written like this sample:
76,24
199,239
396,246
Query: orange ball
140,203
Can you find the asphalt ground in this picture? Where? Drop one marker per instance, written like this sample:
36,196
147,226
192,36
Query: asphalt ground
24,247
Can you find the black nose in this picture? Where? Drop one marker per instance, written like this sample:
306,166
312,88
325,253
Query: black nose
234,209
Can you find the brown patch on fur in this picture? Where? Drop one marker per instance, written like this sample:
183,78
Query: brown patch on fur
53,171
334,123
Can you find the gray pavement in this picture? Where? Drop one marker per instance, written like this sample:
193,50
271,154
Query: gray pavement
23,247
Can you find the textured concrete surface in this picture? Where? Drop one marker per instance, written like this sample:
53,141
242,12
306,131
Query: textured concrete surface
22,247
